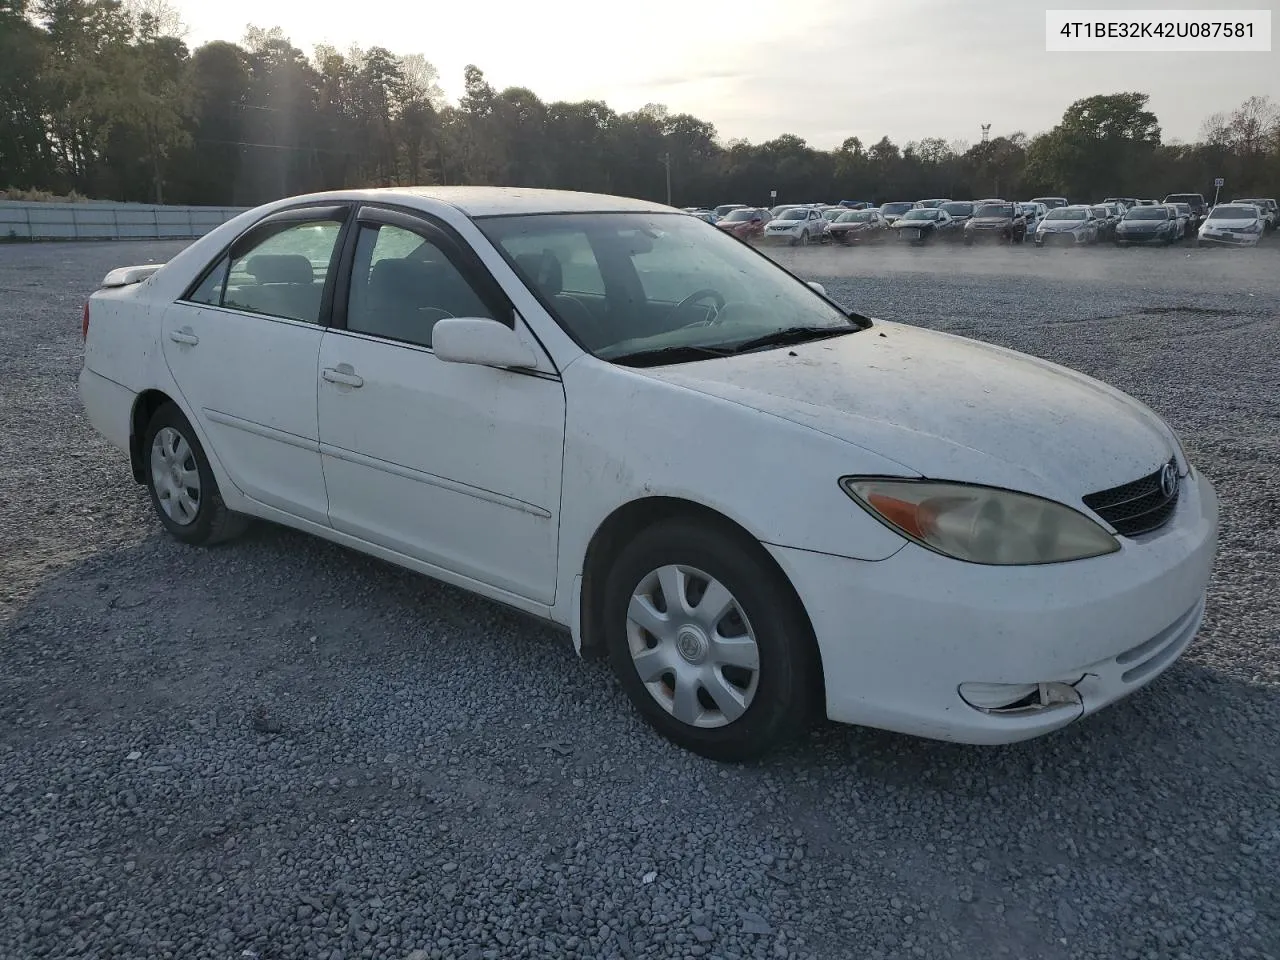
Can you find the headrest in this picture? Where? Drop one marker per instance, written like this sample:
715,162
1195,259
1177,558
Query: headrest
400,274
544,270
281,268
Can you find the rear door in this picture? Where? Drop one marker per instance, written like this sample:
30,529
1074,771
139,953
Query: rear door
243,346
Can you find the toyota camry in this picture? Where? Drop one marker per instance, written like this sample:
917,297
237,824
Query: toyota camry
758,504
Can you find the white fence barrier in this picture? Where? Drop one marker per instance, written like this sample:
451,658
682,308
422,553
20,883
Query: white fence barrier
108,221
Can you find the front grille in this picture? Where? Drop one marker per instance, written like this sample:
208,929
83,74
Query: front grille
1135,508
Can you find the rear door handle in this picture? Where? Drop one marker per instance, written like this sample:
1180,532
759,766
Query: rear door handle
343,374
184,336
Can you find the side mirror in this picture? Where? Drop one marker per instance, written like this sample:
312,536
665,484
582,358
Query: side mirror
481,341
817,286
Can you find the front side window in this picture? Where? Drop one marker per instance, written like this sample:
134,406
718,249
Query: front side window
283,274
402,284
665,280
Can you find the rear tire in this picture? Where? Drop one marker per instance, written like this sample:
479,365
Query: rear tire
729,681
183,490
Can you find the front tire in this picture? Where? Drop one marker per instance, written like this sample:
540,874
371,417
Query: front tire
183,490
709,642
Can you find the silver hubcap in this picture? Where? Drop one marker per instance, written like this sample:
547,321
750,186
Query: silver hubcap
175,476
692,646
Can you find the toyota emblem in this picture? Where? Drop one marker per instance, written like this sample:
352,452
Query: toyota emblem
1169,480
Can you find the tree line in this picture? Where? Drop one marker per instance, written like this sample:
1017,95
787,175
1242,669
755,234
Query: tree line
103,98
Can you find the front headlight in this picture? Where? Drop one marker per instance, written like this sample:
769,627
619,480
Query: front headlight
981,524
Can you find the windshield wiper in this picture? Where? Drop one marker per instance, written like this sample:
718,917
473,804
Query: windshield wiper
791,335
661,355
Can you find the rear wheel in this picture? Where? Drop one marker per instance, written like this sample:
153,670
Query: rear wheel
708,641
183,490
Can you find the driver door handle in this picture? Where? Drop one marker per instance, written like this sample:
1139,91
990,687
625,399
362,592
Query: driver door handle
343,374
184,336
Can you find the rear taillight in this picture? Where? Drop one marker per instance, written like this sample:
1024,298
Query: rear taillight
84,323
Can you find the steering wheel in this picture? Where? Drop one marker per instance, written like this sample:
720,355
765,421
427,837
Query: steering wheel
706,293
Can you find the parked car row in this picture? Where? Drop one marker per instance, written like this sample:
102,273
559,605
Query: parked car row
1047,221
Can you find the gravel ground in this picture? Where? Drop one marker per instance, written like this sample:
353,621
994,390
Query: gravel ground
280,748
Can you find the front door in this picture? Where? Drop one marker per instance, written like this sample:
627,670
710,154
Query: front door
454,464
243,348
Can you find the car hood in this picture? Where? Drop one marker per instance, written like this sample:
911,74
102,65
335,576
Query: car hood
1143,224
1221,224
948,408
990,221
851,225
1053,226
785,224
903,222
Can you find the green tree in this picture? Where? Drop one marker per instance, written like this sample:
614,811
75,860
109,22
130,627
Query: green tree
1103,144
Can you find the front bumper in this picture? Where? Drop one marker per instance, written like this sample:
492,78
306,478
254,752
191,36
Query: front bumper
1231,239
1126,239
1060,238
899,637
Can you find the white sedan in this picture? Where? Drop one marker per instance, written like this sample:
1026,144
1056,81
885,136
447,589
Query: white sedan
757,503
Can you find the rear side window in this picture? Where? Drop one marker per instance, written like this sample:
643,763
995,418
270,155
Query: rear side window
283,274
212,286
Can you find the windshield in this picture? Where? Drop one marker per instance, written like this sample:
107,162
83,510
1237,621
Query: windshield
896,208
924,214
726,208
737,216
854,216
1064,214
1233,213
930,204
795,213
959,209
1101,212
626,283
995,210
1183,198
1147,213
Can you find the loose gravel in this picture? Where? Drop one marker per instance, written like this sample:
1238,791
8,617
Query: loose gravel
282,749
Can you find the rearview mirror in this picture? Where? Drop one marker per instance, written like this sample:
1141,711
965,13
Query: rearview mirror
481,341
817,286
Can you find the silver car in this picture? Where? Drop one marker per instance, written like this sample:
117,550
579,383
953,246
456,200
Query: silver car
1071,226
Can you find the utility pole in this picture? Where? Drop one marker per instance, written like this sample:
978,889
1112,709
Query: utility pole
666,162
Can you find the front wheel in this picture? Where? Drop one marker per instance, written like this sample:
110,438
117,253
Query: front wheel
804,239
709,642
183,490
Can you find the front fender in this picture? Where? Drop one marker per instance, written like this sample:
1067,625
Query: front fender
629,437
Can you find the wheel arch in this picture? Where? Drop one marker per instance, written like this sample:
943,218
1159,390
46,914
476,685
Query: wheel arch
144,407
625,522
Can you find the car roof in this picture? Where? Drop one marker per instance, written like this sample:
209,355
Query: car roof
509,201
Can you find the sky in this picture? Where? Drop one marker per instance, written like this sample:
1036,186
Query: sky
821,69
